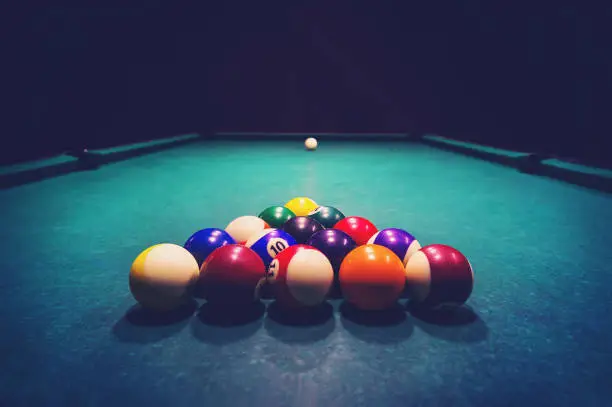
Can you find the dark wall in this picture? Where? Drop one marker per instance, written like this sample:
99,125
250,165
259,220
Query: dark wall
322,70
535,78
101,76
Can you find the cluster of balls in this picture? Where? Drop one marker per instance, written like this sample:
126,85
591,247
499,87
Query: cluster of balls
303,253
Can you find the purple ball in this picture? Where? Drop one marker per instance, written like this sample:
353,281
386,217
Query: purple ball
334,244
202,243
400,242
302,228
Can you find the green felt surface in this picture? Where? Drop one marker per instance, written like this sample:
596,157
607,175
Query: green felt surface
541,327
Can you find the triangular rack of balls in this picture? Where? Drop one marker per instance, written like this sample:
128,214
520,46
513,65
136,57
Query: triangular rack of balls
304,253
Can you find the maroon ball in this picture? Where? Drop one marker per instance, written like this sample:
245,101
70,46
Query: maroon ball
301,228
439,275
358,228
231,275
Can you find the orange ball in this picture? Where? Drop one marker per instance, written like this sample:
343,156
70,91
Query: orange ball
372,277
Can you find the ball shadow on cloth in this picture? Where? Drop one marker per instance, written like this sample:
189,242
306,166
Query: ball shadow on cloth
455,324
335,293
266,292
219,324
300,325
142,325
385,326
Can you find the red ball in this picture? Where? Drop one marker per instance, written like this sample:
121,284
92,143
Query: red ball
231,275
301,276
358,228
439,275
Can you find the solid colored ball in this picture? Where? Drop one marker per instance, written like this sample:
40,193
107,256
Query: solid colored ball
202,243
334,244
270,242
163,276
232,275
311,143
439,275
243,227
372,277
402,243
301,276
301,205
327,216
358,228
302,228
276,216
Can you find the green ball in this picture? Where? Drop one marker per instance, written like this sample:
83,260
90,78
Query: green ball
276,216
327,216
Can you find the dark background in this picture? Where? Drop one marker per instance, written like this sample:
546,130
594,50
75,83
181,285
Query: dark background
534,78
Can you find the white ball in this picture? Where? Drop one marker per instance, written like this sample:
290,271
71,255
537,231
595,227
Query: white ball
311,143
243,227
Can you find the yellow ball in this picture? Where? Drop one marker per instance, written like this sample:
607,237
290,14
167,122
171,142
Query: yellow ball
162,277
301,205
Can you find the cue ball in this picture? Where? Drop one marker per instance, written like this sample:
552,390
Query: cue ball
301,276
439,275
311,144
163,276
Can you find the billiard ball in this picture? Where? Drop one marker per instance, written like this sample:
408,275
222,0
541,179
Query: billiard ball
270,242
311,143
301,276
243,227
276,216
335,245
358,228
402,243
163,277
301,205
302,228
327,216
203,242
439,276
232,275
372,278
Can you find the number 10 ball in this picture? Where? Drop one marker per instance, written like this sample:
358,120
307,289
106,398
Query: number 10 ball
270,242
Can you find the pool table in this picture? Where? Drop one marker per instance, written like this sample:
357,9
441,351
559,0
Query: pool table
537,330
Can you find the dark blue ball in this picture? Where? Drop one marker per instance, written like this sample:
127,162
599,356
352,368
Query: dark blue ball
334,244
202,243
302,228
